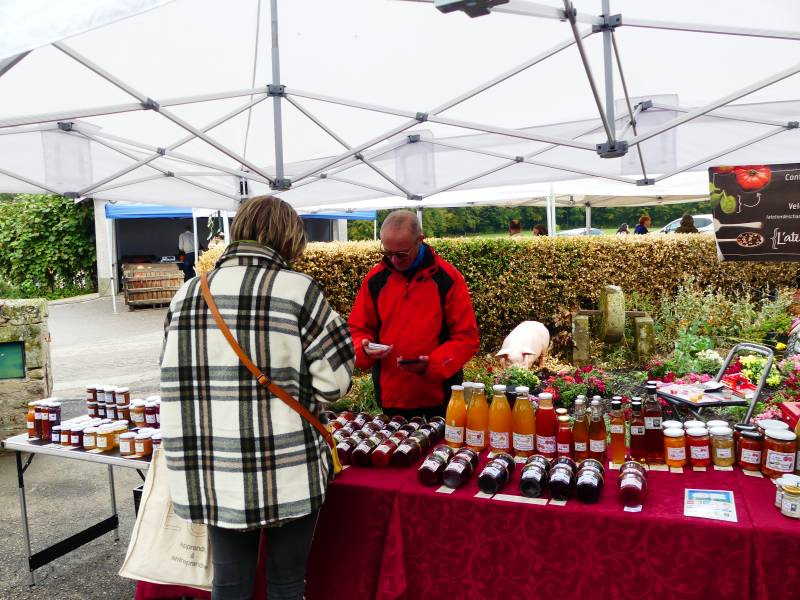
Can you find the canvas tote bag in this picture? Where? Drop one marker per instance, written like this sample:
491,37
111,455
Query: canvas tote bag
164,548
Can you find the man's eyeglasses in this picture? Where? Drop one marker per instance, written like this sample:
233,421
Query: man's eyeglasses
402,254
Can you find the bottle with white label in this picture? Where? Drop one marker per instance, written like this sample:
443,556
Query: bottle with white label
597,433
580,430
500,428
638,442
546,426
619,449
477,419
456,418
654,437
523,418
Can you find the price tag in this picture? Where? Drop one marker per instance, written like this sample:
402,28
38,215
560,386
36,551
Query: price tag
491,455
520,459
344,467
483,495
445,490
520,499
752,473
633,508
699,469
614,466
658,467
558,502
676,469
718,468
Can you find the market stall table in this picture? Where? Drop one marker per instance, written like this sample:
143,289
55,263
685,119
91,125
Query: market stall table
21,444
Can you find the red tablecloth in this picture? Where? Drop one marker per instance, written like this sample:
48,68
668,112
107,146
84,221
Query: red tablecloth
382,535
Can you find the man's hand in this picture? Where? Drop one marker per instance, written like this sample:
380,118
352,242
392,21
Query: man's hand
375,354
418,365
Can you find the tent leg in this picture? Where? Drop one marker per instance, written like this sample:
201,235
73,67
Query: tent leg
375,228
194,233
226,227
111,270
419,216
588,219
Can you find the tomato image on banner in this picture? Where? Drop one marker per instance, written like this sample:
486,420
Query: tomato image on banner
752,178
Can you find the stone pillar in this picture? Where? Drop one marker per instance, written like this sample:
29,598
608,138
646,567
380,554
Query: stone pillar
644,335
612,317
24,321
581,338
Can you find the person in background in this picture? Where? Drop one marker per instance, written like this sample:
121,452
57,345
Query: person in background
540,229
239,459
623,229
514,228
644,223
186,247
418,307
687,225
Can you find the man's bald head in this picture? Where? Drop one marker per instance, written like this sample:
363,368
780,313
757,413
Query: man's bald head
402,219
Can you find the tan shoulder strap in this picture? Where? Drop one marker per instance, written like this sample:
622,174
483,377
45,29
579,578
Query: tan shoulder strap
257,373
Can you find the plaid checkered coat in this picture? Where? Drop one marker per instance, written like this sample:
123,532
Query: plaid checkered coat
238,457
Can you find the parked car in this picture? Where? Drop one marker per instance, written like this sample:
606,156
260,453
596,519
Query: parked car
581,231
704,224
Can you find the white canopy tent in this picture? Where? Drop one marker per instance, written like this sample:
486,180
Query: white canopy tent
358,103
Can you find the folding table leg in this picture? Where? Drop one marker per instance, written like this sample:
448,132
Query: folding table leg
113,500
24,514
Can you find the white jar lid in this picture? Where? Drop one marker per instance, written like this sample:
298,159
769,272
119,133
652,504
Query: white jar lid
772,424
673,432
127,435
780,434
721,431
671,425
498,387
154,398
479,385
122,390
138,402
105,429
717,423
455,388
90,429
523,389
693,424
697,431
143,435
545,396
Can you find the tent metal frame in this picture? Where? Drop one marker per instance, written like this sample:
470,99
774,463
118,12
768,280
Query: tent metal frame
362,153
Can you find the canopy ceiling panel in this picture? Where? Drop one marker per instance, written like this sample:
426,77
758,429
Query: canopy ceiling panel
391,103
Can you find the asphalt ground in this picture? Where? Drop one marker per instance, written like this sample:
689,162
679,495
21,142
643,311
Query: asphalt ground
90,344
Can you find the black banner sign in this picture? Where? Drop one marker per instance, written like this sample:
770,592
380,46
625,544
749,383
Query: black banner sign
757,212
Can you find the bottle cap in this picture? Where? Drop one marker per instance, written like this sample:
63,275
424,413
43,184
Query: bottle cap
716,423
499,387
616,404
780,434
721,431
523,389
455,388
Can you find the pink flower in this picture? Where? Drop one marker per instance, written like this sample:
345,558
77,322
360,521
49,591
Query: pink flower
669,377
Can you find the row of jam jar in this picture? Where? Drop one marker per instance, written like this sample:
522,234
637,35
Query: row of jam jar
115,403
382,440
41,417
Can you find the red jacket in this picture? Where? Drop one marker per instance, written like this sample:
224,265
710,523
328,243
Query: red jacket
429,314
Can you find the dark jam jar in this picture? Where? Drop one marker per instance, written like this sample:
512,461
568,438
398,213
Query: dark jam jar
470,455
533,479
438,425
381,420
444,451
372,427
561,480
381,456
360,420
340,435
496,473
361,453
326,416
589,482
431,469
632,484
457,471
407,453
423,438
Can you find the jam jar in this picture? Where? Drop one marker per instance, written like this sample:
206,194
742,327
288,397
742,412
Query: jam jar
632,484
496,473
699,447
749,450
127,443
345,448
431,469
90,438
589,481
55,434
143,443
407,453
561,479
381,456
674,447
458,470
533,479
360,455
445,451
738,429
149,413
722,453
780,449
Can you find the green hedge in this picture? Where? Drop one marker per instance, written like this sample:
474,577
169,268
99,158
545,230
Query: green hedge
545,279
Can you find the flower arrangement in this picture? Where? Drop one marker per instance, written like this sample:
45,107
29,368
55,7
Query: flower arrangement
752,366
567,385
790,367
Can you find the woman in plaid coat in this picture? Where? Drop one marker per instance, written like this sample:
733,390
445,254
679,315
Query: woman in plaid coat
240,459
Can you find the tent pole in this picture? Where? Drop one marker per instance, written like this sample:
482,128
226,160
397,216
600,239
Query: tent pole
111,270
588,208
419,215
609,70
276,100
226,227
375,228
194,233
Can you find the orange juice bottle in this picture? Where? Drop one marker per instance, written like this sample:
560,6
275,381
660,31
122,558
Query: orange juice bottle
499,421
523,418
456,418
619,449
478,419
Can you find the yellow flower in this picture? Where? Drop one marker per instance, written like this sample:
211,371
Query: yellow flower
780,346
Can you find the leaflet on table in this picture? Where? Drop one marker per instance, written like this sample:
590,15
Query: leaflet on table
695,394
710,504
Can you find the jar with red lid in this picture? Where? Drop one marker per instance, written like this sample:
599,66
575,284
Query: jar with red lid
699,447
632,484
431,469
779,454
750,449
458,470
533,479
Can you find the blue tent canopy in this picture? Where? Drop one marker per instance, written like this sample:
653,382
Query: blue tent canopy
122,210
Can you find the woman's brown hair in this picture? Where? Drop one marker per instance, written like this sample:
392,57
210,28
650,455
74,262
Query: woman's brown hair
270,221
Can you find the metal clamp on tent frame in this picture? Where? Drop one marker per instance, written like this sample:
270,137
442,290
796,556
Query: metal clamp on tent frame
276,90
281,184
610,23
612,150
473,8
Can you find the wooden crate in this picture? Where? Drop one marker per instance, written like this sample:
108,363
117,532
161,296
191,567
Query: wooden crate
150,284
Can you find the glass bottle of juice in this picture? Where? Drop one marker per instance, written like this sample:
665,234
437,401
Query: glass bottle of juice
638,441
478,419
456,418
617,425
564,437
546,426
499,421
654,435
597,433
523,418
580,431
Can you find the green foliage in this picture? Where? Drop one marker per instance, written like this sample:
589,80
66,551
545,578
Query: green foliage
48,246
519,376
687,346
360,230
360,398
753,366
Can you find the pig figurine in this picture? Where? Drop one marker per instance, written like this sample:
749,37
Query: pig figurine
527,342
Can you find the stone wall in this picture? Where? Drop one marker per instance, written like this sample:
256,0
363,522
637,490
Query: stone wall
24,321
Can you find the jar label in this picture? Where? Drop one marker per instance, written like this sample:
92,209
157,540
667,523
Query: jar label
652,422
580,446
724,452
498,439
752,457
617,428
475,438
699,452
430,463
523,442
74,440
676,453
55,438
632,481
30,424
124,447
780,461
546,444
492,471
383,448
150,418
563,449
52,416
789,507
139,447
456,466
102,441
637,430
454,434
88,440
562,475
597,445
587,477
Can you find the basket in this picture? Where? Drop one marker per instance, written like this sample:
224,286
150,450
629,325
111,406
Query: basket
150,284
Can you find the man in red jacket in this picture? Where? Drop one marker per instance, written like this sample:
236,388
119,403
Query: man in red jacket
412,322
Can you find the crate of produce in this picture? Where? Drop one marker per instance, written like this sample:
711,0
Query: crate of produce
150,284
